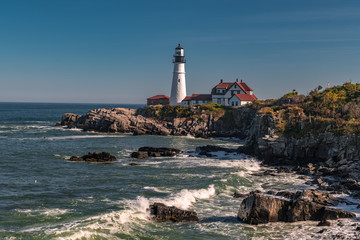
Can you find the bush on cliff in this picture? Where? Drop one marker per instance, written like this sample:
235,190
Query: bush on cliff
169,112
335,109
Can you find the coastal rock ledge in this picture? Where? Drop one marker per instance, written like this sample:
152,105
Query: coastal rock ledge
94,157
145,152
161,213
258,209
140,122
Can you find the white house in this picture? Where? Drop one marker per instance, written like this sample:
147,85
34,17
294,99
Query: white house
241,99
196,99
222,92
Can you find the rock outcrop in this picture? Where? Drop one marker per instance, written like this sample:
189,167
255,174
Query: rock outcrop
203,150
161,213
145,152
94,157
337,156
258,209
122,120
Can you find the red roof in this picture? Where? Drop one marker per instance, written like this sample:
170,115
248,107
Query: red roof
201,97
245,97
158,97
245,86
198,97
225,85
187,98
239,84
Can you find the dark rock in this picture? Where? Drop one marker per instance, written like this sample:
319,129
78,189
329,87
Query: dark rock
95,157
239,195
271,192
316,196
286,194
76,159
145,152
257,209
139,155
160,213
284,170
134,164
322,230
324,223
213,148
69,119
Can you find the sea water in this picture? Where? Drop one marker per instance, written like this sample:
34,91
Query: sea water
45,196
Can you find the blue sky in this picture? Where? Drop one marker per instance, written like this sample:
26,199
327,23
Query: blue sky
112,51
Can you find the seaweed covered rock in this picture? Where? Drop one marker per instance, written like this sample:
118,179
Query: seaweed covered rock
94,157
161,213
258,209
145,152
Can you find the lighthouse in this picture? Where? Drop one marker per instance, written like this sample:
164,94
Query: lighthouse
178,88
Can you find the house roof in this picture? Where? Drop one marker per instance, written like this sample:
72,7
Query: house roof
187,98
228,85
241,86
158,97
245,86
245,97
225,85
198,97
201,97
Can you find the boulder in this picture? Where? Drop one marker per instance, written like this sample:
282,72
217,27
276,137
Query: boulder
95,157
161,213
206,150
145,152
68,119
258,209
316,196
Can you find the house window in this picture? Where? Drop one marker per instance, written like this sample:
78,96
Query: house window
236,103
219,100
232,103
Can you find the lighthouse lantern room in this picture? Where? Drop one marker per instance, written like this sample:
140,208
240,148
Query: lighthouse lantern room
178,88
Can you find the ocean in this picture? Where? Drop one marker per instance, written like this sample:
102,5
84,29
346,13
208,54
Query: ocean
45,196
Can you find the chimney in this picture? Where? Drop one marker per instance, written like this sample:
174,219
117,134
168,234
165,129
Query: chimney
237,79
241,81
221,81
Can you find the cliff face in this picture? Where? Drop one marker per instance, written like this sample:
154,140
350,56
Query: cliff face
234,123
258,130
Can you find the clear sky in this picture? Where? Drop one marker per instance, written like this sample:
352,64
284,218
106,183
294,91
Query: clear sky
114,51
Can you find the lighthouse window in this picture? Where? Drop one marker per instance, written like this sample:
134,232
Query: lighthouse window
178,80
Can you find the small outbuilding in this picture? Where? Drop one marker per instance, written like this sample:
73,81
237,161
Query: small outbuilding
158,100
239,99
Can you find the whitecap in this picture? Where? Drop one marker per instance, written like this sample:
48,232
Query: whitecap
155,189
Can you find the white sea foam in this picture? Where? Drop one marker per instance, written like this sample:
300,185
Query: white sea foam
186,198
46,212
84,136
73,137
155,189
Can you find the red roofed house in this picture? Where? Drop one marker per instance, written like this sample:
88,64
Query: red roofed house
224,91
241,99
158,100
196,99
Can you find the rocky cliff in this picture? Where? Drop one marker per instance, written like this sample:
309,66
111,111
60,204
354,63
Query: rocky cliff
198,123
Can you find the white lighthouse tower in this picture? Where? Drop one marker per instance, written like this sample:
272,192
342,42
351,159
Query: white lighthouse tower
178,88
